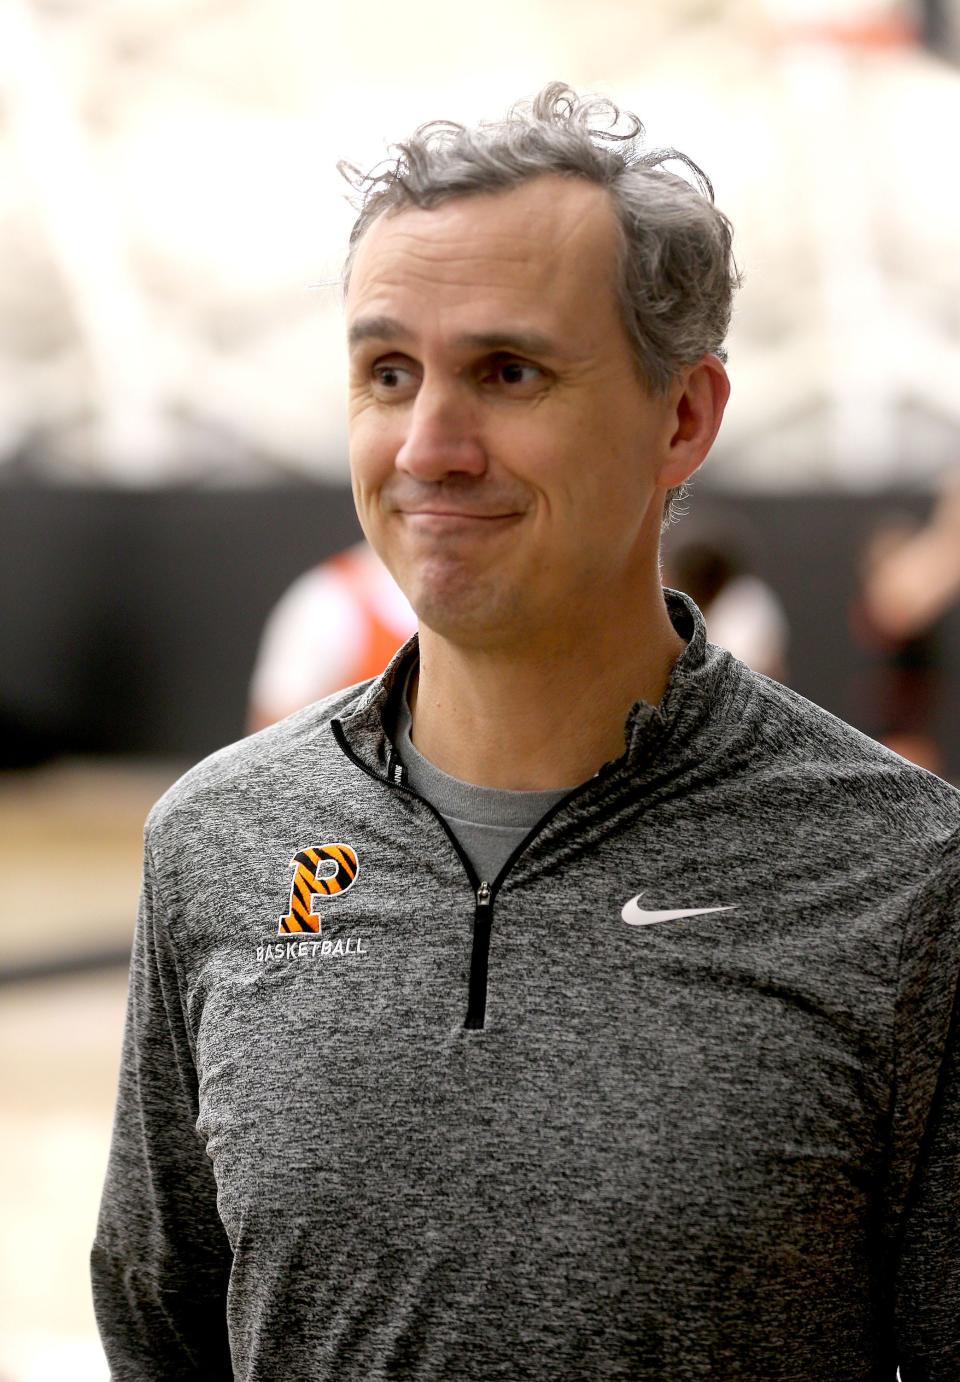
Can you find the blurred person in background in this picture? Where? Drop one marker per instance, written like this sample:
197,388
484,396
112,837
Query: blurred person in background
567,1001
743,614
337,625
909,578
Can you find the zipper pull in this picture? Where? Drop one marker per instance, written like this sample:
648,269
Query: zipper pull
483,895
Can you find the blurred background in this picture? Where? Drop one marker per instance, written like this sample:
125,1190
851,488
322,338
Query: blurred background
174,490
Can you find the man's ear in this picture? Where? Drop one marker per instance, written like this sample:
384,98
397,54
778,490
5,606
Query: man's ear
697,399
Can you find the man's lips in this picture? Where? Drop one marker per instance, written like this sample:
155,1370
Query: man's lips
454,516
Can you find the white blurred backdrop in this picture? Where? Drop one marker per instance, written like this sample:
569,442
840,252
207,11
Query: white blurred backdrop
172,224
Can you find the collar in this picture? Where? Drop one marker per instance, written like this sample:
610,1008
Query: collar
698,685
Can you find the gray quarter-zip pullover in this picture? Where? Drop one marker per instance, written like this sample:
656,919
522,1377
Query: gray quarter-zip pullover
543,1125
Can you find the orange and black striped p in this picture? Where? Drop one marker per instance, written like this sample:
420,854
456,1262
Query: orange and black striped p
319,871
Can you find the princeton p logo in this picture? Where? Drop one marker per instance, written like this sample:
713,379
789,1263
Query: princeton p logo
319,871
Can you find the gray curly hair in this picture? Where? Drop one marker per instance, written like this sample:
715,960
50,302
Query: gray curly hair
676,272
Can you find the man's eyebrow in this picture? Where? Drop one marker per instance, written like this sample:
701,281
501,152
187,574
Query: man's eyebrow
522,341
374,329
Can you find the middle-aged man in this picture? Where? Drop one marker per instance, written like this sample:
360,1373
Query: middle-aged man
569,1001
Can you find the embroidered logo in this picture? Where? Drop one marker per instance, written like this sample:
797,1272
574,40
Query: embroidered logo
319,871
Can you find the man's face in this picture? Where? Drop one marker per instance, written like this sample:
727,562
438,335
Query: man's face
505,455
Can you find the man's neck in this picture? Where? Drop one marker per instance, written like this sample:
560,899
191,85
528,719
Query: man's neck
543,715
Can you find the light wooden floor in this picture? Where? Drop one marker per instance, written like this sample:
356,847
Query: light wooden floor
70,844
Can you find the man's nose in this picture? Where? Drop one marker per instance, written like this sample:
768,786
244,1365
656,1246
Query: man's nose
442,435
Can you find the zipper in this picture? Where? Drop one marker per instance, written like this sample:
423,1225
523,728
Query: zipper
484,892
479,960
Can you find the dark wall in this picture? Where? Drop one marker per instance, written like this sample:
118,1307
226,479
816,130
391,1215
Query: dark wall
129,621
808,547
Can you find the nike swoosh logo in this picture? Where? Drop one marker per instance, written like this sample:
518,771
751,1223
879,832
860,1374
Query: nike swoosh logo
634,915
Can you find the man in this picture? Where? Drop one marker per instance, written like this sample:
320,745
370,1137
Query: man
569,1001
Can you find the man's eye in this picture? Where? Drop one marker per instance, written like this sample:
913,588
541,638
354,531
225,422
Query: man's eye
389,376
512,371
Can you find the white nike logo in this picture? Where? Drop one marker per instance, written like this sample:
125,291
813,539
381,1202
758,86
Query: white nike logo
635,916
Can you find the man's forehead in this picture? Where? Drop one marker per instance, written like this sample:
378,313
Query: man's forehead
547,243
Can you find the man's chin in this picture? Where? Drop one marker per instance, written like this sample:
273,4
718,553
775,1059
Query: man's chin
468,617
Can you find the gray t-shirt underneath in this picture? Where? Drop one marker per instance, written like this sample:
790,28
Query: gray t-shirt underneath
488,822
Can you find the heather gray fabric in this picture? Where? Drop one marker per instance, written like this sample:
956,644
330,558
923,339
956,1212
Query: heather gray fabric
488,823
720,1146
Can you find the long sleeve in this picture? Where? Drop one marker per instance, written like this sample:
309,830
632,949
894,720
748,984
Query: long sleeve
161,1260
927,1287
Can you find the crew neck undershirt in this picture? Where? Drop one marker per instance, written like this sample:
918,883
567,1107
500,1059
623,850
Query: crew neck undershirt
488,822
